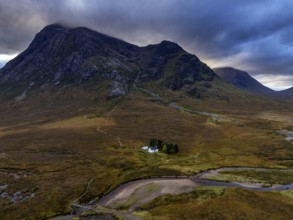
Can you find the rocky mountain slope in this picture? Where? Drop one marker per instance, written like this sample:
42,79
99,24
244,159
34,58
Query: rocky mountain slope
244,81
60,56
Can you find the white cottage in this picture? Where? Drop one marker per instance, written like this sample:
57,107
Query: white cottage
145,148
153,149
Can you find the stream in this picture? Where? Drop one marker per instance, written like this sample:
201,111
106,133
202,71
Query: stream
132,194
135,193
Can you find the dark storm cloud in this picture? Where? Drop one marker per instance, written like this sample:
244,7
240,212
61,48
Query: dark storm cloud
252,35
16,25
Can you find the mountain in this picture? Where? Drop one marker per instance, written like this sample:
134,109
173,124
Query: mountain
244,81
60,56
287,93
65,71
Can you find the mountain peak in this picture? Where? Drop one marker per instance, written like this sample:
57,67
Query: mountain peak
169,43
55,26
51,30
169,47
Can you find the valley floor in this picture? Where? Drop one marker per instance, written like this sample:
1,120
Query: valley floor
50,161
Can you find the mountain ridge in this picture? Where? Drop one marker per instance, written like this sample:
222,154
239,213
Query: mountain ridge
243,80
59,57
64,55
48,33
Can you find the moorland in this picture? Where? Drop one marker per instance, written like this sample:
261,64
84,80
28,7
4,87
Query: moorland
65,144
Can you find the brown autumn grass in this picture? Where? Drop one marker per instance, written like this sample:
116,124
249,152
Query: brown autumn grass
60,149
217,203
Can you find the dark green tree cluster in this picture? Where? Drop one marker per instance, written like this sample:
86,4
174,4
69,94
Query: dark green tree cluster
172,149
168,148
156,142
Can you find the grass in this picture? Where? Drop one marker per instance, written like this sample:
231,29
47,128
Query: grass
256,176
58,150
91,214
230,203
287,193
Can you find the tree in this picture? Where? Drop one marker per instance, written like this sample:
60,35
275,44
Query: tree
160,145
168,148
164,148
172,148
153,142
176,149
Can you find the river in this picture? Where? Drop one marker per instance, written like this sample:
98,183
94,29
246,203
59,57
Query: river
138,192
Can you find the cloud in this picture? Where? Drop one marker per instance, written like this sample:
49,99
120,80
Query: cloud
4,58
276,82
19,21
256,36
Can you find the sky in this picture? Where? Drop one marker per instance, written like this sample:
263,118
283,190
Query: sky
254,36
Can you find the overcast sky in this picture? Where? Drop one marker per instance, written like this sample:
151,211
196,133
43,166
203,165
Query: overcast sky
254,36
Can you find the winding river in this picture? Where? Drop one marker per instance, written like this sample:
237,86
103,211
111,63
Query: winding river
131,195
135,193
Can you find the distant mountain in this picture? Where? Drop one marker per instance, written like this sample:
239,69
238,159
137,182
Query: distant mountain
287,93
60,56
244,81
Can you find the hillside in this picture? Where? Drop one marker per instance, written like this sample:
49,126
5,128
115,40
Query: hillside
244,81
287,93
66,71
